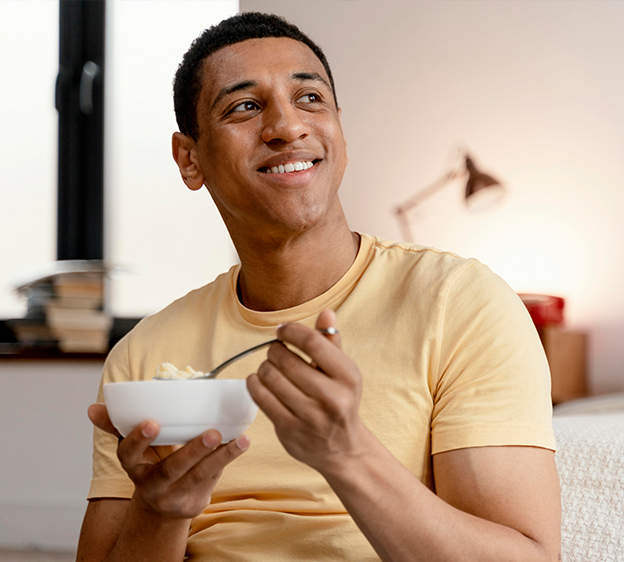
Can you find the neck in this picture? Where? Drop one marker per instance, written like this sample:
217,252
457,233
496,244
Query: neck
283,272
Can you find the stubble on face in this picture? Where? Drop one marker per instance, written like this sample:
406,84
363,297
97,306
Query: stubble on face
264,103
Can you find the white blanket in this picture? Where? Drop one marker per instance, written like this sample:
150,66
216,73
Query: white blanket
590,460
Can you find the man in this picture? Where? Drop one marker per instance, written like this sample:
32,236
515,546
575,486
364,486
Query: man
420,433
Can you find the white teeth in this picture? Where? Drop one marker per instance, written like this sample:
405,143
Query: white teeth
290,167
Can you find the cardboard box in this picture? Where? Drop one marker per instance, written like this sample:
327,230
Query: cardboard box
567,356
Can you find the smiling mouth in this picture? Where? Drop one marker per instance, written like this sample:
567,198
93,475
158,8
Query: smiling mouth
289,167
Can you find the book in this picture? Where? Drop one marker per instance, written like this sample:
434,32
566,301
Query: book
66,300
84,341
61,317
85,285
79,329
54,271
32,332
95,303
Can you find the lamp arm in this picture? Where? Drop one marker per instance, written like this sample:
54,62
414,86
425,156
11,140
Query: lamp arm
477,180
403,209
427,192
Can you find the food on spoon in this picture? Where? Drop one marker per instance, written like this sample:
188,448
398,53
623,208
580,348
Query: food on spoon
169,371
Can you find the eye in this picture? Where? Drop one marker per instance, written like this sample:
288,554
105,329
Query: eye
310,98
245,106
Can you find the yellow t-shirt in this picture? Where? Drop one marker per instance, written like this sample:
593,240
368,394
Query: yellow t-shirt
449,358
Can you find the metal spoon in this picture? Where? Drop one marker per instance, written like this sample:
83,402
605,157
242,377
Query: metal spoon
212,374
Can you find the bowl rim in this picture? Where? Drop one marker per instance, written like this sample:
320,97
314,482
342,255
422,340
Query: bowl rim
176,381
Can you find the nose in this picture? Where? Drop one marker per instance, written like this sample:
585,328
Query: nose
283,122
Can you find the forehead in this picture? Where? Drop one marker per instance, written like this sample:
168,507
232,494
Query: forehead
258,60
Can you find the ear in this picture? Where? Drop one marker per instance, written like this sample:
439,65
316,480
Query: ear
184,153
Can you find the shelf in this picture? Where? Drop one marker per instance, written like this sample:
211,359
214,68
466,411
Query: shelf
12,350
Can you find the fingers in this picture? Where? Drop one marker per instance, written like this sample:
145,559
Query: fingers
292,380
324,350
206,471
136,454
163,451
188,495
288,388
327,319
133,448
175,481
268,401
179,485
313,405
175,466
99,417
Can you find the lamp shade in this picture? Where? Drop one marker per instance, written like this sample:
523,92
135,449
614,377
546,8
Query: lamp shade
482,190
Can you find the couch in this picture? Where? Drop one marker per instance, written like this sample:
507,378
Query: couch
590,461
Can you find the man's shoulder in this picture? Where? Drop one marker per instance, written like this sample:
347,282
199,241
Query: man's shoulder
422,260
429,272
184,313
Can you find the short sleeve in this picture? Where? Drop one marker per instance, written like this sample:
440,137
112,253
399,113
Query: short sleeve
493,380
109,479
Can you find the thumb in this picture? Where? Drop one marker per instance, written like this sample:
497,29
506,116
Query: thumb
325,320
99,418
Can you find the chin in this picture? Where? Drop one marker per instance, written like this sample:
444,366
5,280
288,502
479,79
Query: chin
304,219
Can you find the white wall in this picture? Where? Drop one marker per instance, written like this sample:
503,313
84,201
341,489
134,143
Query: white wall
28,139
534,90
45,464
169,240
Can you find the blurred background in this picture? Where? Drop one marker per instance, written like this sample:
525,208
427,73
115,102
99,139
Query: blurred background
532,90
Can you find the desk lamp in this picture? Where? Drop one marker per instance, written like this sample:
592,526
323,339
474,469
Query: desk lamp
482,191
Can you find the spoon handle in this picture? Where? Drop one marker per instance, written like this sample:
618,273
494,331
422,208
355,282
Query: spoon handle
212,374
223,365
217,370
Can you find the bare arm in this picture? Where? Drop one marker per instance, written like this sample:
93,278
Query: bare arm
101,527
115,529
169,491
493,503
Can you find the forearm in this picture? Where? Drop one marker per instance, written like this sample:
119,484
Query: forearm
148,536
405,521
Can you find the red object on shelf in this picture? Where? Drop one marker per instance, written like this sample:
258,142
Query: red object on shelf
545,310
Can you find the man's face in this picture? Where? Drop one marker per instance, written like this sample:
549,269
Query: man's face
265,108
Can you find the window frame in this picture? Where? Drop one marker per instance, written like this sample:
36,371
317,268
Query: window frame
80,104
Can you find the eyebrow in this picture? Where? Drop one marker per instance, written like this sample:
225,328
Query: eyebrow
314,76
247,84
226,90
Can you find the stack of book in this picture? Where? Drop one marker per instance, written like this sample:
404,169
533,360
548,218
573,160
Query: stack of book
32,331
65,308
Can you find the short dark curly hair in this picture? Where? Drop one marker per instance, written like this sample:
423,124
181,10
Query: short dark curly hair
188,79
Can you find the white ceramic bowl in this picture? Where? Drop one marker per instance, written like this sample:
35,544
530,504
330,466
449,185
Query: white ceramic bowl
184,409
